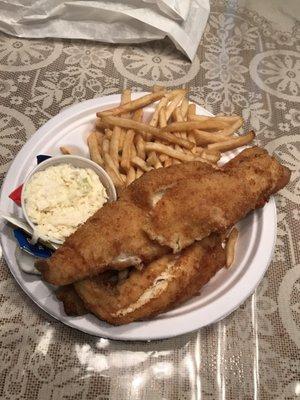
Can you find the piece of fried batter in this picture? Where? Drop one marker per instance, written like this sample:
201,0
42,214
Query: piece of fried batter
162,284
113,237
194,208
149,188
73,304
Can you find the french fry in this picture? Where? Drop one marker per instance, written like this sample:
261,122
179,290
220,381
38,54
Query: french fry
194,117
140,146
126,96
232,144
211,151
230,119
162,118
153,160
192,125
161,148
183,135
144,128
155,117
138,162
230,247
232,128
208,117
105,146
173,93
198,150
126,153
65,150
130,176
94,149
100,124
129,124
121,140
100,136
110,163
138,115
178,148
190,114
191,110
162,103
184,107
173,104
191,138
139,173
211,157
178,114
233,122
163,157
133,151
168,162
157,88
108,134
114,177
203,138
150,160
179,118
114,145
176,161
133,104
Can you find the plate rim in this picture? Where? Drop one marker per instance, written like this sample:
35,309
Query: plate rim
181,329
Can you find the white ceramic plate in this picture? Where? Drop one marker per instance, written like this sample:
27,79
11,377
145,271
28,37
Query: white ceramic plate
223,294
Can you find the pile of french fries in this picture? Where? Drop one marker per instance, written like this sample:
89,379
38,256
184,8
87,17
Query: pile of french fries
126,142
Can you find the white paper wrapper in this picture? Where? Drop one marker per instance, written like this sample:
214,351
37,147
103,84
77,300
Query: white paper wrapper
134,21
176,9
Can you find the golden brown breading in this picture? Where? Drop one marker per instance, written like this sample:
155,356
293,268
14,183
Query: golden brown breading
73,304
194,208
115,232
157,180
111,238
258,160
161,285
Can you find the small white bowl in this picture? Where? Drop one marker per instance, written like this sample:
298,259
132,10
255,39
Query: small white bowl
76,161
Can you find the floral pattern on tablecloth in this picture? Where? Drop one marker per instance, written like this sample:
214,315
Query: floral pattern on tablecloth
244,66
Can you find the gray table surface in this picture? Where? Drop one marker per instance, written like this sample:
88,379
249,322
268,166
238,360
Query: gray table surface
248,63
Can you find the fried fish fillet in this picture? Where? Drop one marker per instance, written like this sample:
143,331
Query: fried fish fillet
73,304
162,284
194,208
113,237
146,223
148,189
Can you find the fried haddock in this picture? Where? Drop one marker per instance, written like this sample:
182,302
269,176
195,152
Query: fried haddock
193,208
73,304
103,242
164,283
141,191
145,224
113,237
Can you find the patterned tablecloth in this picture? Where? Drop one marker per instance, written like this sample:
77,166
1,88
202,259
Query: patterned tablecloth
245,64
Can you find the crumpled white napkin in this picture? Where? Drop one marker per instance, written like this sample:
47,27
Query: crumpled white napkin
131,21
